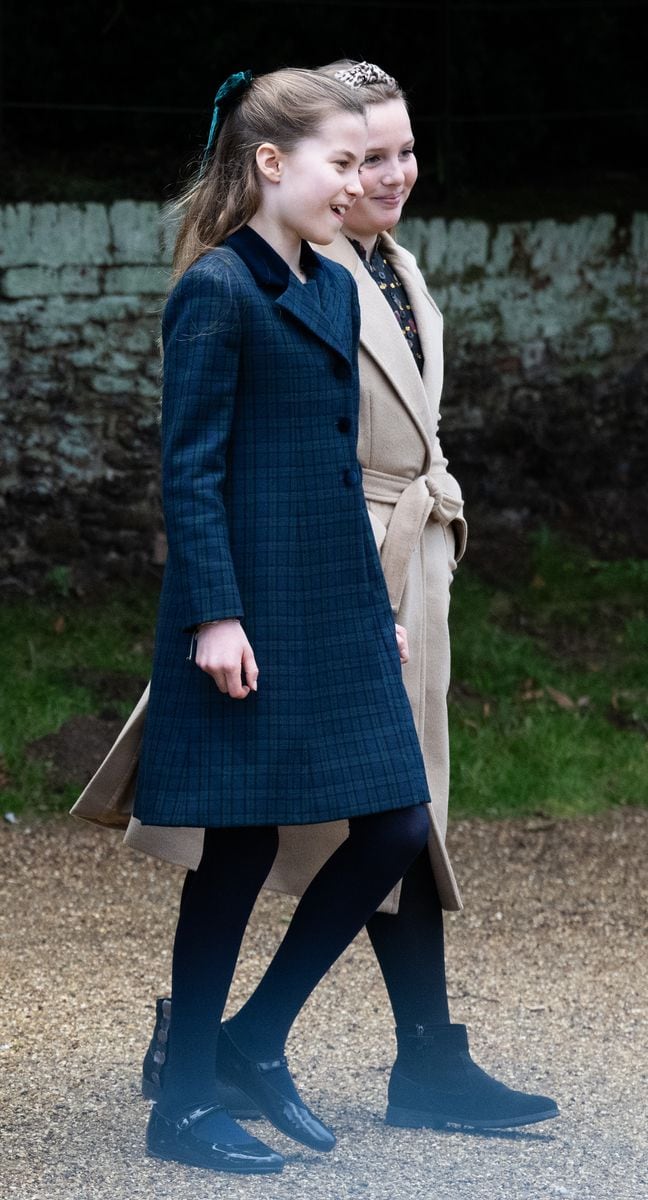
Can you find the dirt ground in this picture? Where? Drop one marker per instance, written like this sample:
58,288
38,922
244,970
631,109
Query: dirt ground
547,966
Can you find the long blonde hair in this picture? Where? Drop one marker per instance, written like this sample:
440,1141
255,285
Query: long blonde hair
283,107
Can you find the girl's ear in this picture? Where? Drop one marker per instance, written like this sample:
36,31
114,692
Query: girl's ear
269,161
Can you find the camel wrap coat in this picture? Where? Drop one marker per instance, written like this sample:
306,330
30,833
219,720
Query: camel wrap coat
416,512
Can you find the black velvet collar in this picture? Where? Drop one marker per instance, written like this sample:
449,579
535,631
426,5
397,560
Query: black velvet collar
269,268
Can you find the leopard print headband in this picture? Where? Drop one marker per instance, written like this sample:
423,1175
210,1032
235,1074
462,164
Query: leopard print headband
364,73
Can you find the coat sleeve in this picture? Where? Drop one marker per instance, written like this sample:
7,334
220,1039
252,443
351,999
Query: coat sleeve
439,463
201,337
452,504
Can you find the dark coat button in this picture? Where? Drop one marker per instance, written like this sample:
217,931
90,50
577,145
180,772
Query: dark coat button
344,424
351,476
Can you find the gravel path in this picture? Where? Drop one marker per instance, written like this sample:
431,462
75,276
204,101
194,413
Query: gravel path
547,966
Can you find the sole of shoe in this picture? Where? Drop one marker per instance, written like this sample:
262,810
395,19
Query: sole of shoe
412,1118
188,1161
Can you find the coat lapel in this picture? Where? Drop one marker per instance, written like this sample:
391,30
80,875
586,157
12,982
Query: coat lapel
322,307
320,304
429,321
383,340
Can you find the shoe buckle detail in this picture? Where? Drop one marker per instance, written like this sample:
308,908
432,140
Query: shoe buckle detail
272,1064
194,1115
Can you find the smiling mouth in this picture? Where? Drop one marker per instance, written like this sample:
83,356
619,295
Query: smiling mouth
340,210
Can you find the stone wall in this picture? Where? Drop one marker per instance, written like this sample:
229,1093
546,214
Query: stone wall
82,289
544,405
546,382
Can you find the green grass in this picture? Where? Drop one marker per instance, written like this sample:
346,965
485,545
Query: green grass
548,703
549,700
50,648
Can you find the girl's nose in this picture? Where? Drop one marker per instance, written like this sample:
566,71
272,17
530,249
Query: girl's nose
393,172
355,188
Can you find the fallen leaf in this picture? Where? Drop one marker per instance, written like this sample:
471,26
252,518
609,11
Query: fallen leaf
562,700
58,625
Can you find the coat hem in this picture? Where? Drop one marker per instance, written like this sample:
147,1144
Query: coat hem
282,818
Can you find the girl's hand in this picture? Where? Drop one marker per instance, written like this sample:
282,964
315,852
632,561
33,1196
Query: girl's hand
223,651
401,641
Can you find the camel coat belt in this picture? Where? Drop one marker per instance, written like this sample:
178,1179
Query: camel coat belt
416,511
415,502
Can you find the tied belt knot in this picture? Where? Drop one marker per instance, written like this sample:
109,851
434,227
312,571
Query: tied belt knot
415,502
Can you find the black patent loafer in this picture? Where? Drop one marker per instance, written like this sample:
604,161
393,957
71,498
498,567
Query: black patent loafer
152,1083
174,1139
269,1085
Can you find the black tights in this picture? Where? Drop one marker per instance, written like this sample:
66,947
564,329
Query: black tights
409,946
215,907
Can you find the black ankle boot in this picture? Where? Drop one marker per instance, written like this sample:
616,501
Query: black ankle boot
435,1084
230,1098
155,1057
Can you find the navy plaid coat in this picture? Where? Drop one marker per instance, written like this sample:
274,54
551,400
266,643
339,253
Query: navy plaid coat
266,520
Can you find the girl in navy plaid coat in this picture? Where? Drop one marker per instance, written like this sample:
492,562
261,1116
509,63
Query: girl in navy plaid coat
276,690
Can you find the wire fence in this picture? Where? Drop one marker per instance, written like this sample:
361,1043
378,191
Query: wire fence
442,125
